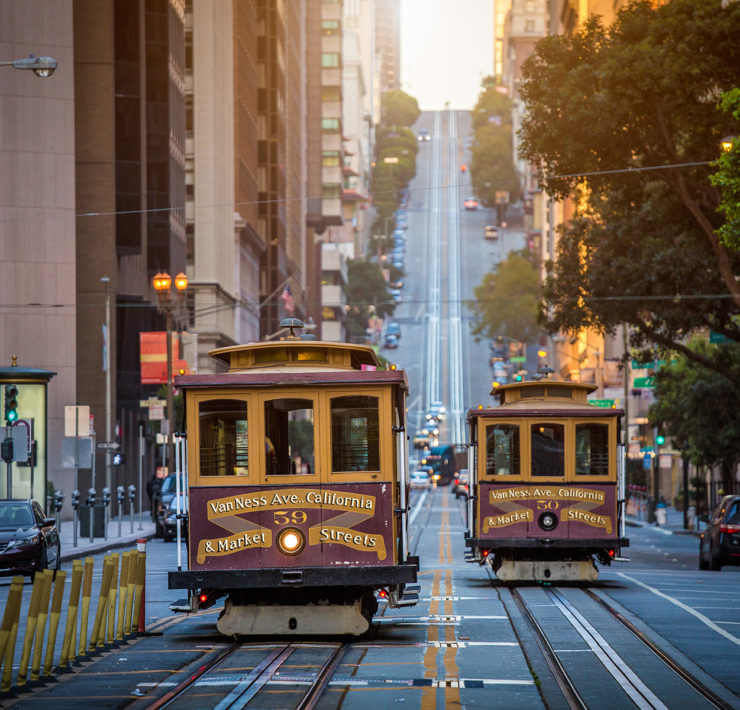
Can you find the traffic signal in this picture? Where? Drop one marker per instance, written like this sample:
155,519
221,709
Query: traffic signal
11,404
660,440
518,377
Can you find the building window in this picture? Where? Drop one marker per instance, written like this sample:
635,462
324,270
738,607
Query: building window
331,191
330,125
529,26
329,60
330,158
330,28
331,93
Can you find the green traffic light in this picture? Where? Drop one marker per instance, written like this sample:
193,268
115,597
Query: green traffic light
660,440
12,416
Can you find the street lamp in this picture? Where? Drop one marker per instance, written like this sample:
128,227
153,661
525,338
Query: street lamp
162,283
40,66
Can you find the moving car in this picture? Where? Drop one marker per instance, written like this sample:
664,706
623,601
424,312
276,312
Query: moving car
422,438
391,341
419,480
29,541
396,284
396,294
461,484
491,232
471,203
393,329
423,135
720,542
436,413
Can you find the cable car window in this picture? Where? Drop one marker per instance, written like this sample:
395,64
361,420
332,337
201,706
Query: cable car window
548,449
502,450
289,428
592,449
223,438
355,434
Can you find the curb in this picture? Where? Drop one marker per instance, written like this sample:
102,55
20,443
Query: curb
632,523
104,546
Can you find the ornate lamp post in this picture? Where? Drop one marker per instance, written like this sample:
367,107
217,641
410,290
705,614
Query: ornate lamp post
162,283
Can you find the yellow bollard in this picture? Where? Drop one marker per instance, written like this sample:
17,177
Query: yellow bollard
122,587
56,612
110,635
98,634
70,630
9,630
130,592
86,594
33,614
137,621
47,579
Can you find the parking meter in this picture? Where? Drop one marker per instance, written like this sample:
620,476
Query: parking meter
75,499
120,496
58,500
131,499
91,494
106,496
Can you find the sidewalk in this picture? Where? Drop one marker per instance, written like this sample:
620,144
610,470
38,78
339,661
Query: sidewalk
674,523
101,544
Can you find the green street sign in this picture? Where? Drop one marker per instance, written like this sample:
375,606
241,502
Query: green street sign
518,358
642,382
719,338
606,403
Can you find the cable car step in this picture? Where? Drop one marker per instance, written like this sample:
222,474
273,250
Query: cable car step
181,605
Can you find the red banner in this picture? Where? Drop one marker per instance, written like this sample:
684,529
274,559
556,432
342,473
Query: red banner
153,357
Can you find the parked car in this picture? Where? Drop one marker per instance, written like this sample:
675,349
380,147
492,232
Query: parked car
396,284
170,519
720,542
391,341
396,295
162,500
461,484
419,481
29,541
491,232
471,203
398,264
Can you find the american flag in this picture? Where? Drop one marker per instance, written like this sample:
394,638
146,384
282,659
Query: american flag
287,298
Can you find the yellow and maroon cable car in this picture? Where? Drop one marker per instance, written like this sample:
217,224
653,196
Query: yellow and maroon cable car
547,483
297,488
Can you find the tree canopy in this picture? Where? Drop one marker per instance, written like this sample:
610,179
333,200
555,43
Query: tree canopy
399,109
367,293
507,299
699,411
625,120
492,164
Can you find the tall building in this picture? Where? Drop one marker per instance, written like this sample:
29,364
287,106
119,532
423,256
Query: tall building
388,43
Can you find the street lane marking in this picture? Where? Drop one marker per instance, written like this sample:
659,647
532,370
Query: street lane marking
681,605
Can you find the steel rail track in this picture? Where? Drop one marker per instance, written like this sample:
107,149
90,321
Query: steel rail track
709,695
635,688
563,680
256,679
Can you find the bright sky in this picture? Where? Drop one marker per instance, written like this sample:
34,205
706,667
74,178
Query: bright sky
446,49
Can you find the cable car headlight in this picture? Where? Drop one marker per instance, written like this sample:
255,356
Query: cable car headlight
548,521
291,541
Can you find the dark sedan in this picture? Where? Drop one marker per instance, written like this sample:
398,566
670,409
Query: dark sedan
720,542
29,541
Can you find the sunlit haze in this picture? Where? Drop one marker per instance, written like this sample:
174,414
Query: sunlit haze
446,49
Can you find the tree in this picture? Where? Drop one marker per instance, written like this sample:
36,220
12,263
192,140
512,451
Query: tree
399,109
492,166
507,299
605,110
727,177
366,292
699,411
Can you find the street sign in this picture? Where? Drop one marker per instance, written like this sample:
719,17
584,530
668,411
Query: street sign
518,358
156,413
77,452
152,402
606,403
643,382
647,462
113,445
